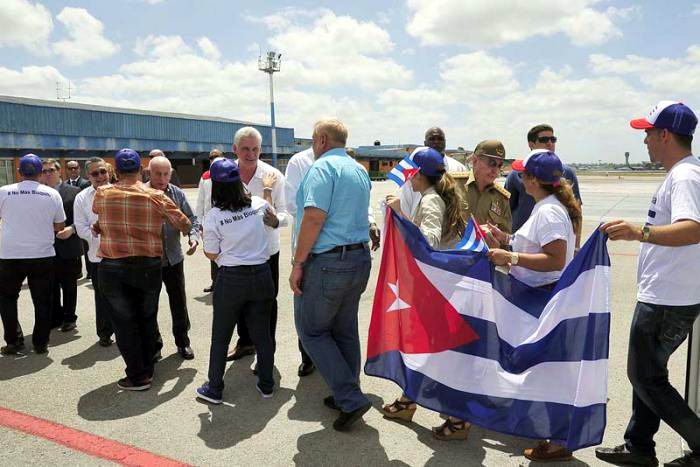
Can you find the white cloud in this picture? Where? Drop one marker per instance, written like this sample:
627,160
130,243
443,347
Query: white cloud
87,41
322,49
672,77
25,24
31,81
209,49
495,23
696,9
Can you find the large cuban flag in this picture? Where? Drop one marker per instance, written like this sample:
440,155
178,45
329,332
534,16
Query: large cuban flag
467,341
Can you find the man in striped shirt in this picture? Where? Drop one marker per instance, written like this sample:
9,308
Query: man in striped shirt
130,217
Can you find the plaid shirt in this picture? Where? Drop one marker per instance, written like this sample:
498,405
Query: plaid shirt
131,219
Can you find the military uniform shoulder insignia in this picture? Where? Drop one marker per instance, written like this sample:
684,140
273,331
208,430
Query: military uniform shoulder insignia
502,190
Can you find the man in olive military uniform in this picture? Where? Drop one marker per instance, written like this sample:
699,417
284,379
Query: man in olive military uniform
486,200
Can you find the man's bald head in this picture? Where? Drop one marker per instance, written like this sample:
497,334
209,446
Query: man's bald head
156,153
161,170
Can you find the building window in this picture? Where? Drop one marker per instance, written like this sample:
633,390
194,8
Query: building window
6,172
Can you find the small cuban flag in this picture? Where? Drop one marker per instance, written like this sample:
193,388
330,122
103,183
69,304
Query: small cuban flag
474,238
404,170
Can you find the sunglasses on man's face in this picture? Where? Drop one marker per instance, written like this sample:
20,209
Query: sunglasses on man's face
546,139
492,163
48,171
98,172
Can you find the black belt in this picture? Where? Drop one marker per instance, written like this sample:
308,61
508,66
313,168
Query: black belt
246,267
342,248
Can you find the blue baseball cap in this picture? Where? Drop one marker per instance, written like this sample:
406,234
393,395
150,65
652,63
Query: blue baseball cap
542,164
30,165
127,161
430,162
668,115
224,170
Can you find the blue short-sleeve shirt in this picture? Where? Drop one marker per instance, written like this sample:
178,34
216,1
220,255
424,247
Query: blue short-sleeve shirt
339,186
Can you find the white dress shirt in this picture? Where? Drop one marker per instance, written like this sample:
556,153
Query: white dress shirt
297,167
203,198
279,201
83,219
410,199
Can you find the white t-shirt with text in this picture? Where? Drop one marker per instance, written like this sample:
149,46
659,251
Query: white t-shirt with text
239,237
28,211
669,275
548,222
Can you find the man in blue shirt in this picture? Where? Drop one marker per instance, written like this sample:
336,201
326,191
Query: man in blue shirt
521,204
331,267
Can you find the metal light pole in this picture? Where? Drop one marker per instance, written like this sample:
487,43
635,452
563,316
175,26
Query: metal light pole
271,64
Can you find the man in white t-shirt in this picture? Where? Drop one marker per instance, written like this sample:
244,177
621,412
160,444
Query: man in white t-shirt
31,215
260,177
434,138
668,298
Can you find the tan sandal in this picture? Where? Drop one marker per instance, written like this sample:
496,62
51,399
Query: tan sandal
545,451
399,410
452,431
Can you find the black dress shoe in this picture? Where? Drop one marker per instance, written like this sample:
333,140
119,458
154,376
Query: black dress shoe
346,419
209,289
330,403
65,327
11,349
41,349
240,351
158,356
306,368
689,460
622,456
186,352
105,341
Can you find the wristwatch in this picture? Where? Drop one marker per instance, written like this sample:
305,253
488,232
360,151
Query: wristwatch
297,263
646,231
514,257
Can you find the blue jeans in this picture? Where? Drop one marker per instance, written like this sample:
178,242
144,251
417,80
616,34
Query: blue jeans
657,331
326,320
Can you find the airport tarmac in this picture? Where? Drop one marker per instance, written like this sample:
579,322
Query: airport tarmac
75,384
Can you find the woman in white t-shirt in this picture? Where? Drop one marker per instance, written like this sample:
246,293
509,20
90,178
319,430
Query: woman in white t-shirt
235,237
542,248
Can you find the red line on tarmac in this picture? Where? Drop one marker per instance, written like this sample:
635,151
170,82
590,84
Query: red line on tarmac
85,442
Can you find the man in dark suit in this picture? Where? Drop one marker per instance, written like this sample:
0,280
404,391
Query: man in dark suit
74,177
69,249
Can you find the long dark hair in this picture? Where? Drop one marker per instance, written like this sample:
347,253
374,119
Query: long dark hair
446,187
565,194
229,196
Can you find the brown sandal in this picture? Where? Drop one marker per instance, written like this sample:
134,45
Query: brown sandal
545,451
455,430
399,410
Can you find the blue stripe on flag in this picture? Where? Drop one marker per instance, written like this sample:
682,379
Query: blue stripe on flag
576,339
391,176
573,427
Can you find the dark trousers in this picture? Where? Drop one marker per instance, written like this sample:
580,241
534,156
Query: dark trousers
174,280
657,331
243,333
39,273
65,289
213,269
103,321
242,291
132,287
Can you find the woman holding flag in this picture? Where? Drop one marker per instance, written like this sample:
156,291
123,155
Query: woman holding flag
441,218
540,250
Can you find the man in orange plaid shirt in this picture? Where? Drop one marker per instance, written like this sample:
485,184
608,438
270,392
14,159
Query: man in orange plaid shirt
130,217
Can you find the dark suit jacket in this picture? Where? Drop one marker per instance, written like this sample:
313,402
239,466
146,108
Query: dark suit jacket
73,247
82,183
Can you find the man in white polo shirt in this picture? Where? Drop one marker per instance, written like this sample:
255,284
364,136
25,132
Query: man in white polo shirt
31,215
668,298
260,177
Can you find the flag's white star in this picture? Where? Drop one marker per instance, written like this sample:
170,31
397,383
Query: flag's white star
398,303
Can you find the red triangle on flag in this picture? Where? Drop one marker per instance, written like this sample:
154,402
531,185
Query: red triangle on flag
409,313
